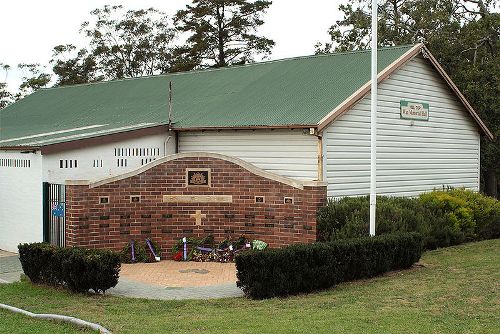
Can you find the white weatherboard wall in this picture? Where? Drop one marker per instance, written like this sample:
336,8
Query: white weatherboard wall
284,152
412,156
109,162
20,199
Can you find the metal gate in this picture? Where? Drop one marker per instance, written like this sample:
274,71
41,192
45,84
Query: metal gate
54,213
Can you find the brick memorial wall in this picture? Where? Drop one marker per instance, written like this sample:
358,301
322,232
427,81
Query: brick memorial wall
192,195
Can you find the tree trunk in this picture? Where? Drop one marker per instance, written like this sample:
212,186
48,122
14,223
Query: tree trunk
490,183
220,37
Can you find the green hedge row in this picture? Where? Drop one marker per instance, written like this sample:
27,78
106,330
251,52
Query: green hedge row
77,269
443,218
309,267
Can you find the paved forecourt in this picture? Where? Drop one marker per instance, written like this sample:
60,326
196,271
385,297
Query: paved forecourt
162,280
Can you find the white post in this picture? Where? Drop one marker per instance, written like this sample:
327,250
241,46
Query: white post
373,121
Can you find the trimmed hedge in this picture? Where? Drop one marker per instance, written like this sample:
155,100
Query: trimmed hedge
309,267
78,269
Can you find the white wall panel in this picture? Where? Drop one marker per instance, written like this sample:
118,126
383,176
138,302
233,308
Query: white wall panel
285,152
412,156
20,199
105,154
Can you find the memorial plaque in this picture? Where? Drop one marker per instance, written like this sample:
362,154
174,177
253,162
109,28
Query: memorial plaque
135,199
414,110
197,198
198,177
288,200
103,200
259,199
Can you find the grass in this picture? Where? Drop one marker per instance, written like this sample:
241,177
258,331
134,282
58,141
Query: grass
456,291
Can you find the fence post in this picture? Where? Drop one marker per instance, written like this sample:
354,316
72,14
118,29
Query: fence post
46,211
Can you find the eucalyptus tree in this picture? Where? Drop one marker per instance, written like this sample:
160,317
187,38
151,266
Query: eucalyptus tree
121,44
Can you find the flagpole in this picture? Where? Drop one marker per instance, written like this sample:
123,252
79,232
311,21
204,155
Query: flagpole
373,122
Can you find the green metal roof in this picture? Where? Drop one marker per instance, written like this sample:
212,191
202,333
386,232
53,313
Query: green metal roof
295,91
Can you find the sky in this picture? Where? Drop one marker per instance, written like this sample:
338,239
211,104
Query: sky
29,29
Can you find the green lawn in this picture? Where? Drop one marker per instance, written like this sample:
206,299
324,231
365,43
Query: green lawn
455,292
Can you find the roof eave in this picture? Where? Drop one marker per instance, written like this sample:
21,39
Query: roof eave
363,90
384,74
19,148
247,127
427,54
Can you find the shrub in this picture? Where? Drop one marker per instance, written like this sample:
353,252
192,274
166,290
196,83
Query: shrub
78,269
309,267
443,218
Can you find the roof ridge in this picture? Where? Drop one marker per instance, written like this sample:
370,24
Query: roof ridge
322,55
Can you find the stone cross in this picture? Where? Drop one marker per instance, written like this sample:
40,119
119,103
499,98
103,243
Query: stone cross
198,215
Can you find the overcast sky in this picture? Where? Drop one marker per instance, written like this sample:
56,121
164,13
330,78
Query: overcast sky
31,28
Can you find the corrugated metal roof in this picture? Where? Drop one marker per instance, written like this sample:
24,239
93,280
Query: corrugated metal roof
296,91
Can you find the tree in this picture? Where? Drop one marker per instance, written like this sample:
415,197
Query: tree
462,34
5,95
222,32
33,79
71,68
122,44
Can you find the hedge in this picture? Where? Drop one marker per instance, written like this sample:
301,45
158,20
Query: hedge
77,269
308,267
443,218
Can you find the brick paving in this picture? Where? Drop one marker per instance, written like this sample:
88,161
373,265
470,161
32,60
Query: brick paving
180,274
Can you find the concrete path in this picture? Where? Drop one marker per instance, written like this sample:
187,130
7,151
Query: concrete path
10,267
135,285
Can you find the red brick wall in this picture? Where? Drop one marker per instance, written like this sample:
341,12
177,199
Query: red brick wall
94,225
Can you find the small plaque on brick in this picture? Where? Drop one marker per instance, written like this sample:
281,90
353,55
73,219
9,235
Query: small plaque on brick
288,200
259,199
198,177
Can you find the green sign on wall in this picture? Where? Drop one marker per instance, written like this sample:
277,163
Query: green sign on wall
414,110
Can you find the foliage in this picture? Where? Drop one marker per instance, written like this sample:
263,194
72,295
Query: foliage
78,269
121,44
222,32
5,95
33,79
443,218
309,267
471,30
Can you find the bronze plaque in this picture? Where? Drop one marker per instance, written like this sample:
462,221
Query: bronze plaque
198,177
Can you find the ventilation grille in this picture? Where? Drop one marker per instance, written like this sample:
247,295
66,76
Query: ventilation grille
97,163
137,152
68,163
17,163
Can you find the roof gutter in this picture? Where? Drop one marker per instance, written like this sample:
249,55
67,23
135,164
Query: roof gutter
20,148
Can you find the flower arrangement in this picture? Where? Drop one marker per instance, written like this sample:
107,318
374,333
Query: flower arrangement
206,249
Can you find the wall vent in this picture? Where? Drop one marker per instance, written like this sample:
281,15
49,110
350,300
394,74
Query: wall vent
68,163
16,163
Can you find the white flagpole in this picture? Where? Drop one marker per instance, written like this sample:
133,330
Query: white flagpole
373,121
